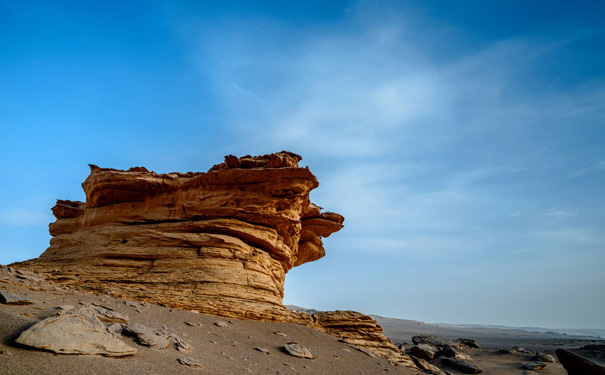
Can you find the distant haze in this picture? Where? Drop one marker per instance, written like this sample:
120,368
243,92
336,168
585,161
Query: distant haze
463,141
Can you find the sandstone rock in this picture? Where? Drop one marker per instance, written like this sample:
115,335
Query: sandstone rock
454,352
9,298
190,362
588,360
218,242
424,351
534,366
462,366
432,340
543,357
470,343
427,367
179,344
116,328
520,350
361,331
221,324
146,336
29,276
74,334
104,314
298,350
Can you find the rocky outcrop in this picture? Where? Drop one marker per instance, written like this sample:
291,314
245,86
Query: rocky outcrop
219,242
360,331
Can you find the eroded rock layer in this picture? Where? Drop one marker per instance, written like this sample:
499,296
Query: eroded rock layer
219,242
362,332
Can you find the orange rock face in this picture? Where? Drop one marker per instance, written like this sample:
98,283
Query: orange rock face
219,242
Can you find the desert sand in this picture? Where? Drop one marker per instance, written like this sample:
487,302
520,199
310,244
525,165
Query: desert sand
220,350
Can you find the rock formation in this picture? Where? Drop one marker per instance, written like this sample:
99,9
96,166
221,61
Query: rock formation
219,242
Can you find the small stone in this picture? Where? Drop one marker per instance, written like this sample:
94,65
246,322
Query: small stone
115,328
193,324
543,357
520,350
470,343
146,336
425,365
221,324
190,362
279,333
462,366
9,298
363,350
534,366
180,344
298,350
401,348
4,352
262,350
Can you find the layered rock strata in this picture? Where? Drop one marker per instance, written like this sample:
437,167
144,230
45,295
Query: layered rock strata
219,242
362,332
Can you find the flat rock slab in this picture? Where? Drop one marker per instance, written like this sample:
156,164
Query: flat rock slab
582,362
9,298
470,343
426,366
454,352
534,366
74,334
146,336
432,340
424,351
543,357
190,362
462,366
298,350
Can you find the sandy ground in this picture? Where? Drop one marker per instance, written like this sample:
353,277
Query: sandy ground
221,350
231,349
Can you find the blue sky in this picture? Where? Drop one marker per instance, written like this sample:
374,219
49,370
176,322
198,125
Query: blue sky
464,141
